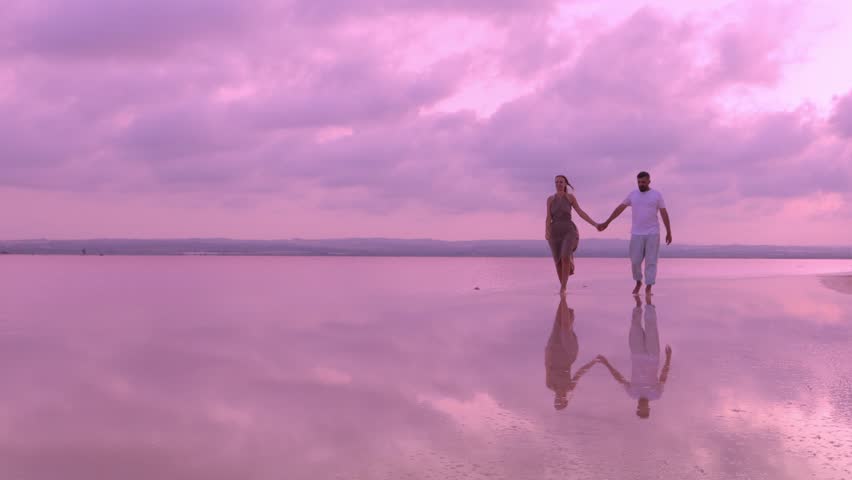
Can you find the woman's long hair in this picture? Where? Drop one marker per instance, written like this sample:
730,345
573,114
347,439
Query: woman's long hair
566,181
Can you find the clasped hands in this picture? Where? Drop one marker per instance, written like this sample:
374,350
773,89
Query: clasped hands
602,226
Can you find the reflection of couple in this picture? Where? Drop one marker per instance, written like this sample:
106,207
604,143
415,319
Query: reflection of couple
563,237
644,384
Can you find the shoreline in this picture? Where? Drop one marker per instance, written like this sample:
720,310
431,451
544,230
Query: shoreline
841,282
390,255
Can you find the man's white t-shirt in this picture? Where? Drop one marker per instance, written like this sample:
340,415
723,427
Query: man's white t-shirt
645,206
643,381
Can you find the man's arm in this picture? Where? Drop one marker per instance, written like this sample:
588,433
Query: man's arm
615,214
665,373
665,215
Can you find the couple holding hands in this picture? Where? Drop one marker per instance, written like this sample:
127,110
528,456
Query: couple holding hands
563,237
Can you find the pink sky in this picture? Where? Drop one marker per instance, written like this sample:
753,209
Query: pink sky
406,118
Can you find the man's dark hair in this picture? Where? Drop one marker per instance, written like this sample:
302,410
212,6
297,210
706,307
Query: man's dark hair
643,174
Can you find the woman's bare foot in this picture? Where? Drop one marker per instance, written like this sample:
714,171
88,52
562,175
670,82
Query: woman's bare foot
636,290
563,290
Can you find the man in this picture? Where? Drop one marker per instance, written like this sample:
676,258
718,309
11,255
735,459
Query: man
645,234
644,384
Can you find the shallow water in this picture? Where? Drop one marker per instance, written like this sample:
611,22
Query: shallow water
362,368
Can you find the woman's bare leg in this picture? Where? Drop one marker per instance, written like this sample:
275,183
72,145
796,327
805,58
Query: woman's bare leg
559,271
565,263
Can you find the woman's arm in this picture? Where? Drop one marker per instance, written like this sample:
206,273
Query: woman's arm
585,368
582,214
615,373
547,219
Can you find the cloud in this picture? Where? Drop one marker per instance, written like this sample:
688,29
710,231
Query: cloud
841,118
626,103
379,100
642,97
113,28
327,11
354,90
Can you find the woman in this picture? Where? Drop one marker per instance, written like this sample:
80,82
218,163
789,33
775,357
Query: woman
561,232
560,355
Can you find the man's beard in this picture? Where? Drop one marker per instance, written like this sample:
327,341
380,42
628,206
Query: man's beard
644,189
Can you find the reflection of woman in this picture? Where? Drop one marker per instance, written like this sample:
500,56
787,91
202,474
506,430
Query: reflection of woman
560,354
644,385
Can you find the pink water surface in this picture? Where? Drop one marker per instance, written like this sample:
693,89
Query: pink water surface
379,368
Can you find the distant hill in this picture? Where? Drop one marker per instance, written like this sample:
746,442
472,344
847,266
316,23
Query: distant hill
396,247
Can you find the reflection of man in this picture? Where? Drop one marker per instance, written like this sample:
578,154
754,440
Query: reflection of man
560,355
644,385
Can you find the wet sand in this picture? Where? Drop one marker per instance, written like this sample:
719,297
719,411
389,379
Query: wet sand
223,368
839,283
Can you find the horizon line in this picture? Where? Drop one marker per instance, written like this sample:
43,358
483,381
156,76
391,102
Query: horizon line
301,239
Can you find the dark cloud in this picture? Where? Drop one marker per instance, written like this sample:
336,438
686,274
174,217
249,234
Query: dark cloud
841,118
328,11
121,28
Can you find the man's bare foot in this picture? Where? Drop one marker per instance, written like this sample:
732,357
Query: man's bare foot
636,290
563,291
648,290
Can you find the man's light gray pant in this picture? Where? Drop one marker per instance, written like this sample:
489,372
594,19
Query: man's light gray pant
645,247
644,341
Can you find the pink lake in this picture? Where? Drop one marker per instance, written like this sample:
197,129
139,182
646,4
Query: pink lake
398,368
